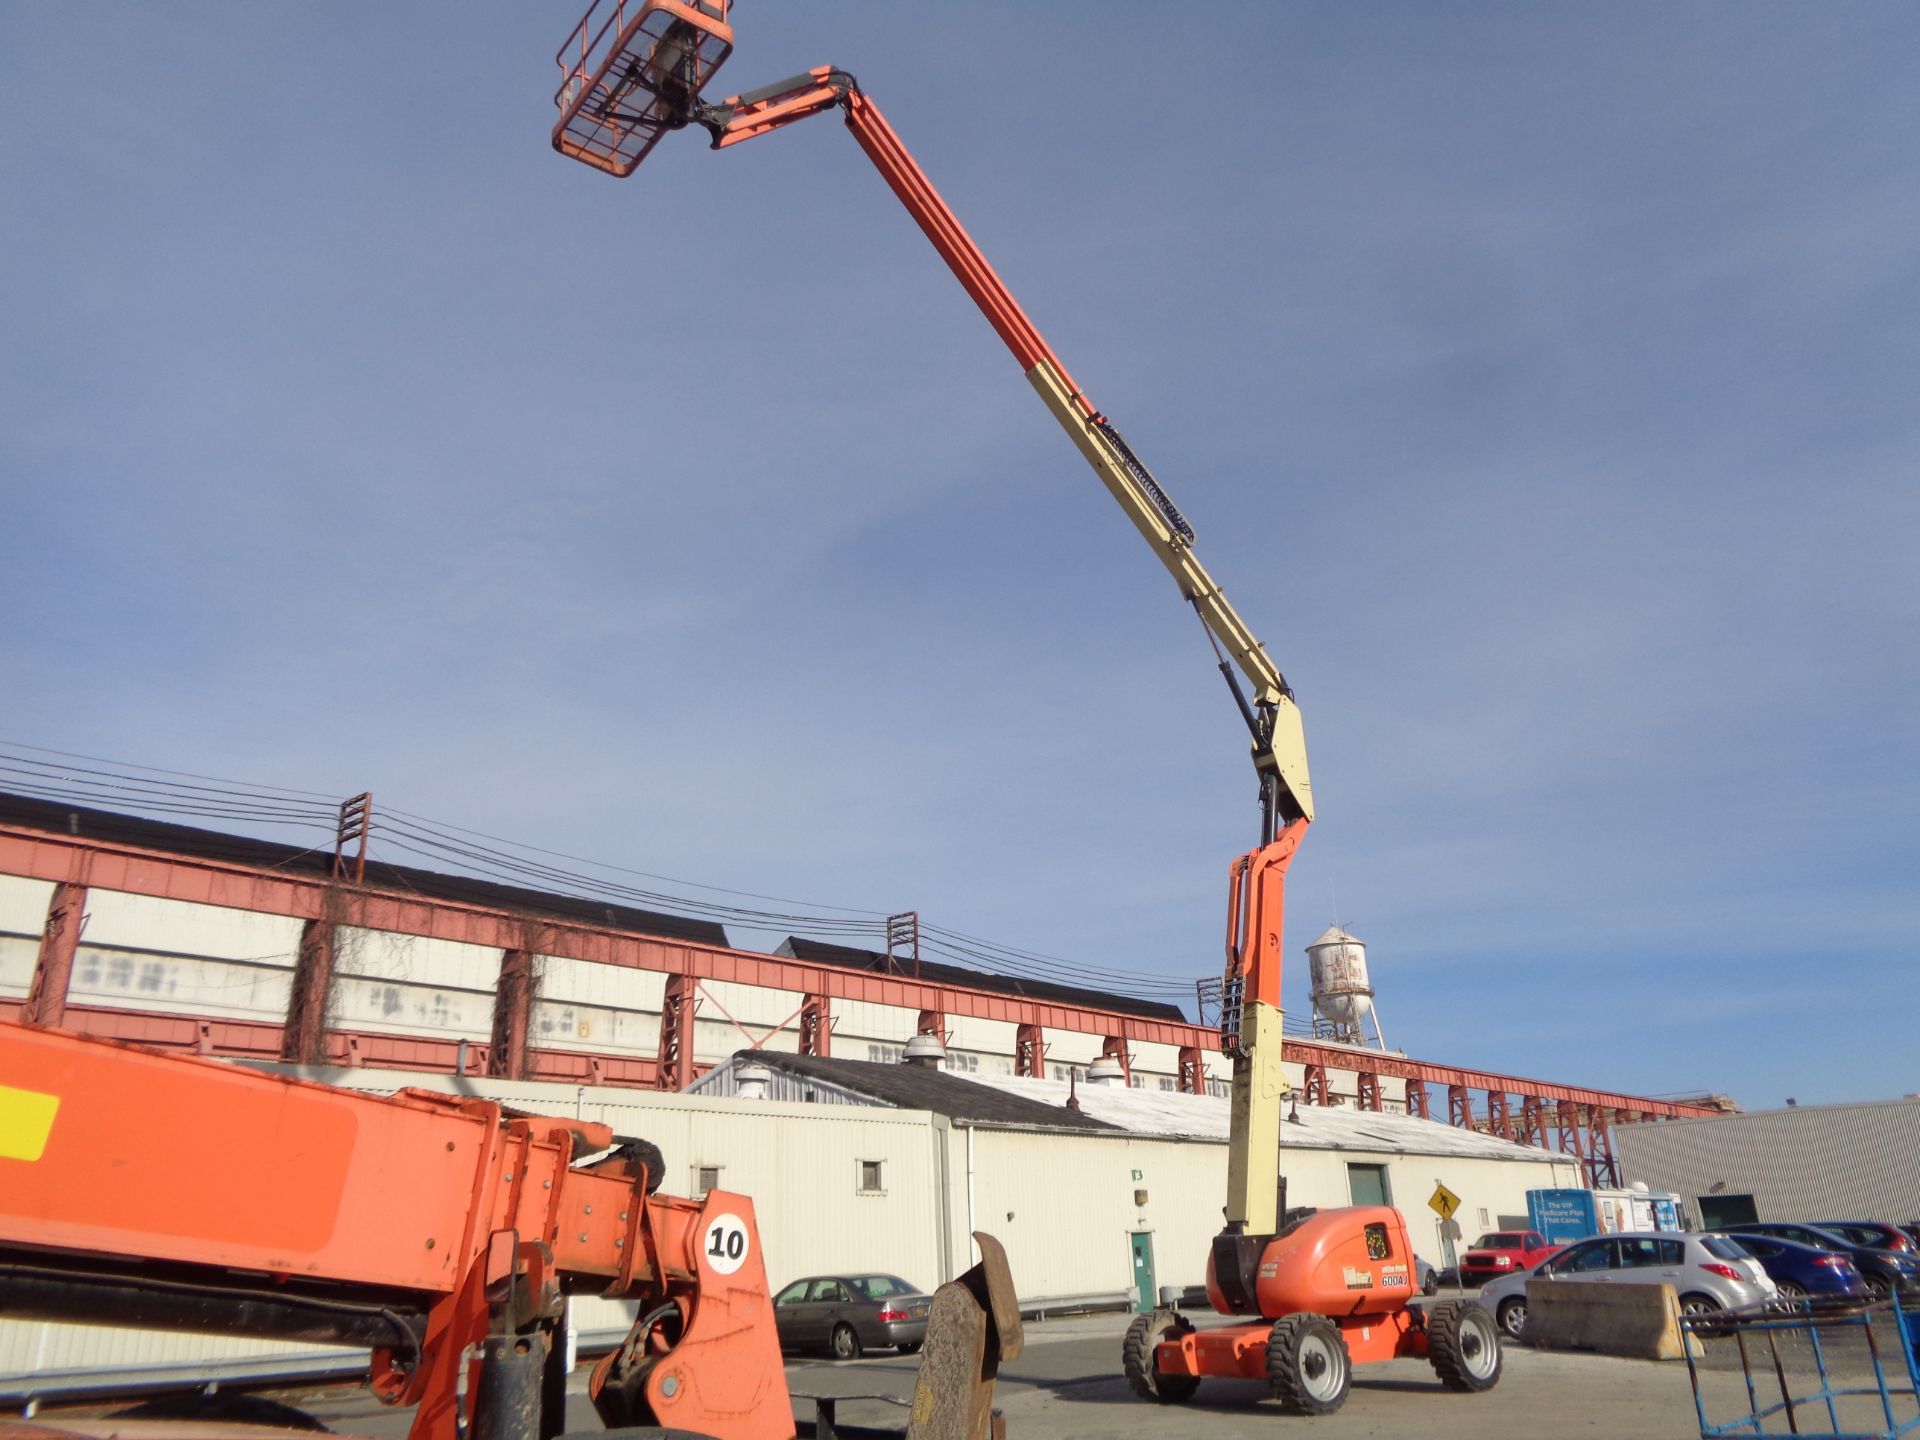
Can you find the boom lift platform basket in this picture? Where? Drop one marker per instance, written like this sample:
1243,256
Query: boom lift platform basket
630,72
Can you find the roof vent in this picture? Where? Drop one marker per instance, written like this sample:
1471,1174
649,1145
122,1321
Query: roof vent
751,1079
1107,1070
924,1050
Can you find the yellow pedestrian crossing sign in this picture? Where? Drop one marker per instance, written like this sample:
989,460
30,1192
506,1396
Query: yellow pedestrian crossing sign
1444,1202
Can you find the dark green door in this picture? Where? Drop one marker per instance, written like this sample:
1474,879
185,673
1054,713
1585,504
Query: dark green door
1143,1269
1368,1184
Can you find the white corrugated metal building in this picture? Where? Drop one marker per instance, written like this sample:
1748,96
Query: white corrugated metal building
845,1177
1806,1162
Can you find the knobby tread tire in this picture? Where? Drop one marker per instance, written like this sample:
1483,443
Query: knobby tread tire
1136,1360
1447,1352
1283,1364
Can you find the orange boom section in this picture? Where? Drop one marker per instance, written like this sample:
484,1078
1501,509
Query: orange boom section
141,1187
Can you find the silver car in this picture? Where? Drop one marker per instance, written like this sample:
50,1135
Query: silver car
1708,1271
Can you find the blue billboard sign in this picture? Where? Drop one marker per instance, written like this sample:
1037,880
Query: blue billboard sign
1563,1216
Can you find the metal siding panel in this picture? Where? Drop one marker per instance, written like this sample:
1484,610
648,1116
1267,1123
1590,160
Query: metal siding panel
399,1008
617,987
180,985
563,1025
1072,1047
1835,1162
181,927
987,1037
18,956
415,959
860,1020
23,905
754,1006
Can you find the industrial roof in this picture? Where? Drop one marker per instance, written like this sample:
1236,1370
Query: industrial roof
1310,1127
148,834
846,956
907,1087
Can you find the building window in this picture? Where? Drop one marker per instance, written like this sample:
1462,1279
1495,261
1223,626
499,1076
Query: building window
1219,1088
872,1177
1137,1081
957,1061
705,1178
1166,1082
884,1054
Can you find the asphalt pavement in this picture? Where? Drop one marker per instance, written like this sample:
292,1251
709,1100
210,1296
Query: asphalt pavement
1067,1386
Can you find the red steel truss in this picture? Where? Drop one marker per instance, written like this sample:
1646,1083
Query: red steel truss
1573,1119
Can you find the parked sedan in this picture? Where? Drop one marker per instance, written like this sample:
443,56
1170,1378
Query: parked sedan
846,1314
1885,1271
1708,1271
1803,1269
1869,1233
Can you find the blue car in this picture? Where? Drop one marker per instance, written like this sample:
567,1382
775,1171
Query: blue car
1804,1269
1886,1272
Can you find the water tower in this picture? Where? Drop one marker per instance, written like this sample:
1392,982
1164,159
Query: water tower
1342,993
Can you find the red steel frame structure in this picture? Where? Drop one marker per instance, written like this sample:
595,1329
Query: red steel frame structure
1573,1119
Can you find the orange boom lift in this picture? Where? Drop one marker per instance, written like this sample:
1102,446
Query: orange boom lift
1319,1295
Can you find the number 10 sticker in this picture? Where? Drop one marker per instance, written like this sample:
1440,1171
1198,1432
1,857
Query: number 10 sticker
726,1244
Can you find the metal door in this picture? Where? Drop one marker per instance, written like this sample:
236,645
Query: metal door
1368,1184
1143,1269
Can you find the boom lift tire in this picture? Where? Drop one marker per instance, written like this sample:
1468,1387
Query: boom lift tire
1308,1365
1136,1358
1463,1345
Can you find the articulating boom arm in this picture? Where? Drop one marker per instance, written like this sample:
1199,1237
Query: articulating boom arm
631,73
1279,749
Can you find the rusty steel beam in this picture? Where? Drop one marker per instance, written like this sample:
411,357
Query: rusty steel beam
1418,1102
66,859
1193,1070
816,1025
53,971
673,1067
512,1016
1030,1052
1115,1047
1316,1086
304,1041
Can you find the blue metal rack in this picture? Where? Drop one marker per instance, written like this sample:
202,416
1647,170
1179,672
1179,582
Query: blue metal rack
1834,1348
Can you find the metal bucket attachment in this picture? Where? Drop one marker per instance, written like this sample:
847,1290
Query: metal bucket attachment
973,1326
632,71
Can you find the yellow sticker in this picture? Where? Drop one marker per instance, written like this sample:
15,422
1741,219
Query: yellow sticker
26,1119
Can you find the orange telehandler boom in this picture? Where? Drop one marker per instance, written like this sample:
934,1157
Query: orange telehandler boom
141,1188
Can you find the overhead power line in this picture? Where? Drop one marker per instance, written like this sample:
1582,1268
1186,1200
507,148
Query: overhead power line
97,782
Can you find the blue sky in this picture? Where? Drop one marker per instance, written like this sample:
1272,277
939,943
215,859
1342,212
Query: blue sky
1543,383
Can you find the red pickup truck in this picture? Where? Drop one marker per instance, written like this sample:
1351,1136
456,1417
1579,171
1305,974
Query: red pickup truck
1501,1252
